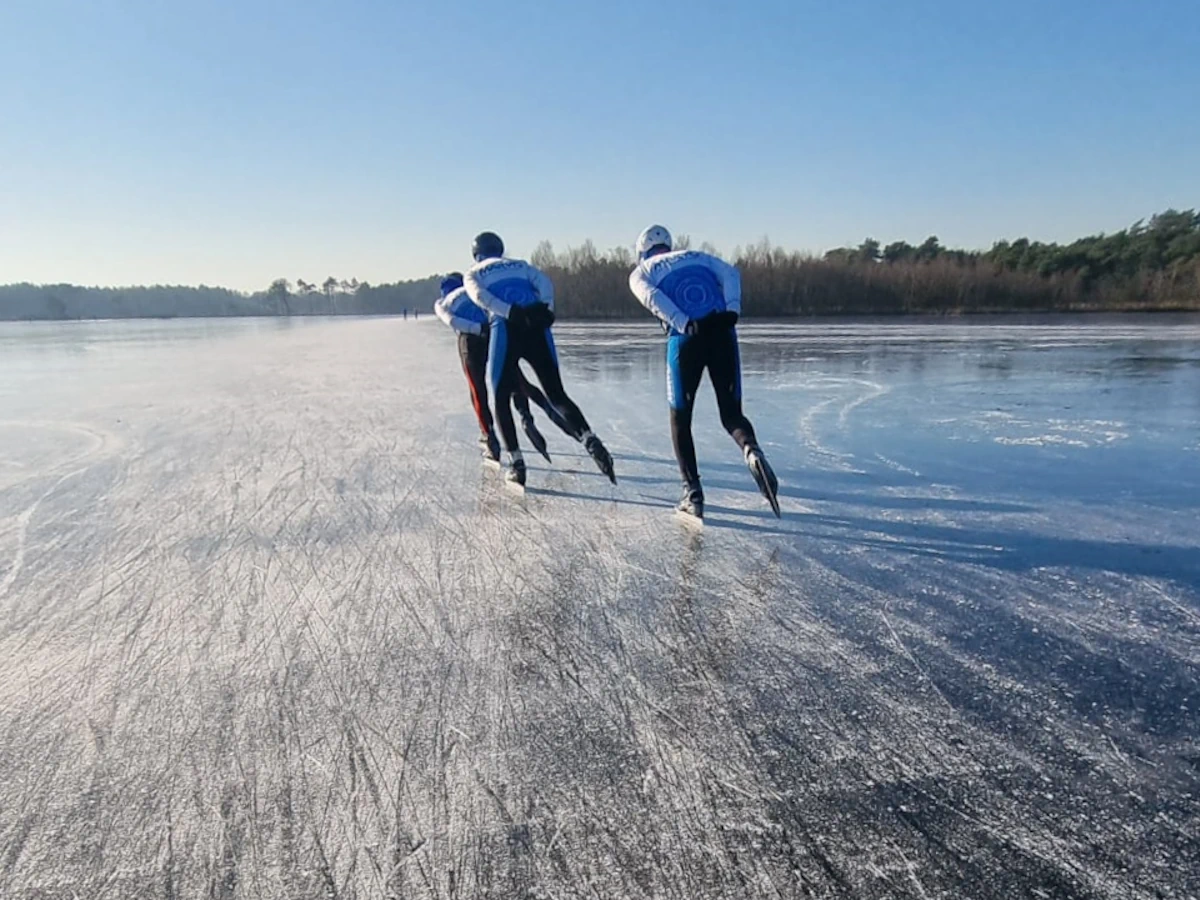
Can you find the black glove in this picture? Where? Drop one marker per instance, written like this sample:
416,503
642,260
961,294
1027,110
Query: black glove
540,315
692,328
485,330
518,317
721,321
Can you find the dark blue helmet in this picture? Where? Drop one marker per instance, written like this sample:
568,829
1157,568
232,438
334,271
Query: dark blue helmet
487,246
451,283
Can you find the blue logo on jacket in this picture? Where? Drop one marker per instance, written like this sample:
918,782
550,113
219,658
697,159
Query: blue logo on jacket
695,289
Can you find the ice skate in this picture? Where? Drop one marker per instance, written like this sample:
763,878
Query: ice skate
764,477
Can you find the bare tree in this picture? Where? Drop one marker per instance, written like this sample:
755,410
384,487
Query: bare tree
543,256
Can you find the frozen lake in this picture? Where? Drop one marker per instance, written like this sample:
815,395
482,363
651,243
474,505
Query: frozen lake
269,629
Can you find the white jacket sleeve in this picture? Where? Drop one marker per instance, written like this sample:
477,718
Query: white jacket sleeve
656,301
731,285
484,298
458,323
543,285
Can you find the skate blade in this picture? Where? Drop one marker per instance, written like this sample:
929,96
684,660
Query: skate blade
764,488
688,519
515,487
605,465
543,451
772,498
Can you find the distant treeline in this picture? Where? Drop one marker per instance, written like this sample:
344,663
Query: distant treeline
1152,265
333,297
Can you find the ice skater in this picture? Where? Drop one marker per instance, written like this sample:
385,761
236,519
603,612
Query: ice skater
519,301
470,323
698,299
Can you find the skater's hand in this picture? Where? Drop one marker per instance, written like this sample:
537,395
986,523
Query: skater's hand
518,317
540,315
721,321
692,327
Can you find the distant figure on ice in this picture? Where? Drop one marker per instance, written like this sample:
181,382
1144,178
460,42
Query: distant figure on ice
404,313
519,300
698,299
470,323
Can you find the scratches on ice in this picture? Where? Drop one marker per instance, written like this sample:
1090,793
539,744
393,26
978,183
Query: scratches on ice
288,638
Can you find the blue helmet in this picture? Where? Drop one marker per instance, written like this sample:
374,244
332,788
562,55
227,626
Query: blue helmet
487,246
451,283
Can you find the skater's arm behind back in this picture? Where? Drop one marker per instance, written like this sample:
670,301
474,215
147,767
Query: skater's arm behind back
655,300
731,283
542,285
473,283
497,284
445,310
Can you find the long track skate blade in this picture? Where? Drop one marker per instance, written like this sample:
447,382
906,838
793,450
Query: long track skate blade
604,462
774,501
539,444
764,488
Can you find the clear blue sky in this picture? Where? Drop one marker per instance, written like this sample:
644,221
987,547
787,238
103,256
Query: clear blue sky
235,141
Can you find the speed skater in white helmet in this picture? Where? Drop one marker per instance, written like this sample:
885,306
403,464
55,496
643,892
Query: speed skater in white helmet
698,298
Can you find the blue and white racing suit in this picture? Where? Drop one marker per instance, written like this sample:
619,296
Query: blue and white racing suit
683,287
470,323
457,311
686,285
498,286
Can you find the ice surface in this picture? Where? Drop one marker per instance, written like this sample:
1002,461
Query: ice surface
269,629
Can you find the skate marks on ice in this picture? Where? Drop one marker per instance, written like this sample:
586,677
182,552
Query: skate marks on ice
43,457
309,646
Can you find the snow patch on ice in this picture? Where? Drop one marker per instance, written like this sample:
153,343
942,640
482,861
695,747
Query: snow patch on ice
1040,441
1084,433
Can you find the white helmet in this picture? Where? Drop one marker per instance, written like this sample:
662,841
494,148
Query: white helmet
654,236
